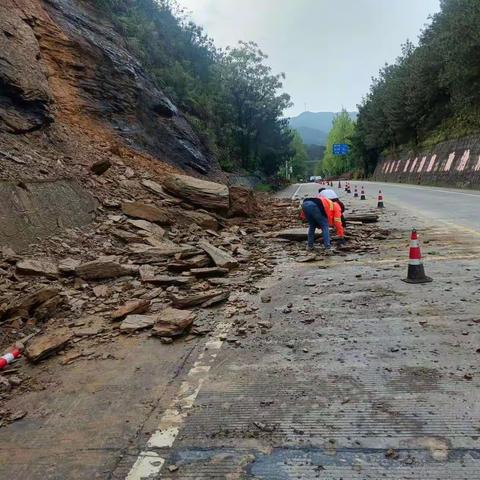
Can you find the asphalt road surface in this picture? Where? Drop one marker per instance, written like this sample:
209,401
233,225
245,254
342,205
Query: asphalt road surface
460,208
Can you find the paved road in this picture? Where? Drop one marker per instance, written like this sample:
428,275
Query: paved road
360,376
347,373
458,207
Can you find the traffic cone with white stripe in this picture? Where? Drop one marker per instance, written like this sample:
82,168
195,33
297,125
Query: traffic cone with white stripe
416,272
362,194
9,358
380,200
356,192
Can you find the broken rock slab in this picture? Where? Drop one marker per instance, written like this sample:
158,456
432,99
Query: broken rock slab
100,167
156,188
146,211
195,299
103,268
43,268
202,219
216,299
46,345
137,322
134,307
221,258
173,322
166,280
149,227
209,272
67,266
296,234
242,202
210,195
26,305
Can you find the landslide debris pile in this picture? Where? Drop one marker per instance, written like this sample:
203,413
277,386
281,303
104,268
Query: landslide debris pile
155,260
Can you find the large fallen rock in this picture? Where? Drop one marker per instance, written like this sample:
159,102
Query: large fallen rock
202,219
242,202
209,272
362,217
296,234
156,188
221,258
195,299
158,254
173,322
101,166
42,267
41,347
25,306
149,227
134,307
146,211
198,261
137,322
211,195
67,266
166,280
106,267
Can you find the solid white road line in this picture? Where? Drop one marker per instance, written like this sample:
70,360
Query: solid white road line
296,192
149,462
427,188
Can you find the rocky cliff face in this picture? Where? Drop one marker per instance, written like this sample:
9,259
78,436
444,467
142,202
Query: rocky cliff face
70,91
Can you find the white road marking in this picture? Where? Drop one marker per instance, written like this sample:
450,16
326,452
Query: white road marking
427,189
294,196
149,463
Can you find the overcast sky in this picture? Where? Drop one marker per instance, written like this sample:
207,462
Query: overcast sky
329,49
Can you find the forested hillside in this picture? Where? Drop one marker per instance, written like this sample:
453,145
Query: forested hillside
431,93
231,96
315,126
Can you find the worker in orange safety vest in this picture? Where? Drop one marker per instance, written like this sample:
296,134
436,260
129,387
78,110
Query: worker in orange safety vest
320,212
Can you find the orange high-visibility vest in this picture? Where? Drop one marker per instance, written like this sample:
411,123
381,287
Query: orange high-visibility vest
334,214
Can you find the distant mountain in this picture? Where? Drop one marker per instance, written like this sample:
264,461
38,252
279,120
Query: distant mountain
314,126
312,136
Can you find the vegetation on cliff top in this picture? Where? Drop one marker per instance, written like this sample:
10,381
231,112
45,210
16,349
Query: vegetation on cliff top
430,94
231,96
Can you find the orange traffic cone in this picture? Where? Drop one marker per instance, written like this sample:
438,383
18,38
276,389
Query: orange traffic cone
362,194
416,272
356,192
380,200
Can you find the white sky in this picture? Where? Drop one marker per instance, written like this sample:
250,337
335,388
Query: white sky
329,49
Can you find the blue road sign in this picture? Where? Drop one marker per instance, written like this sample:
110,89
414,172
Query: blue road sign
340,149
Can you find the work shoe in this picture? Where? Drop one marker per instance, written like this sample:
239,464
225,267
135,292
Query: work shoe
329,252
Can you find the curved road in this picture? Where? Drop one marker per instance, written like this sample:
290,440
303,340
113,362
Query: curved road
451,206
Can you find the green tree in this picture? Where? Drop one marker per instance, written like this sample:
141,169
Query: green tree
231,97
342,130
299,158
251,91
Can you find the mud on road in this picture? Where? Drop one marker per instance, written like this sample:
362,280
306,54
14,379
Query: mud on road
335,369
